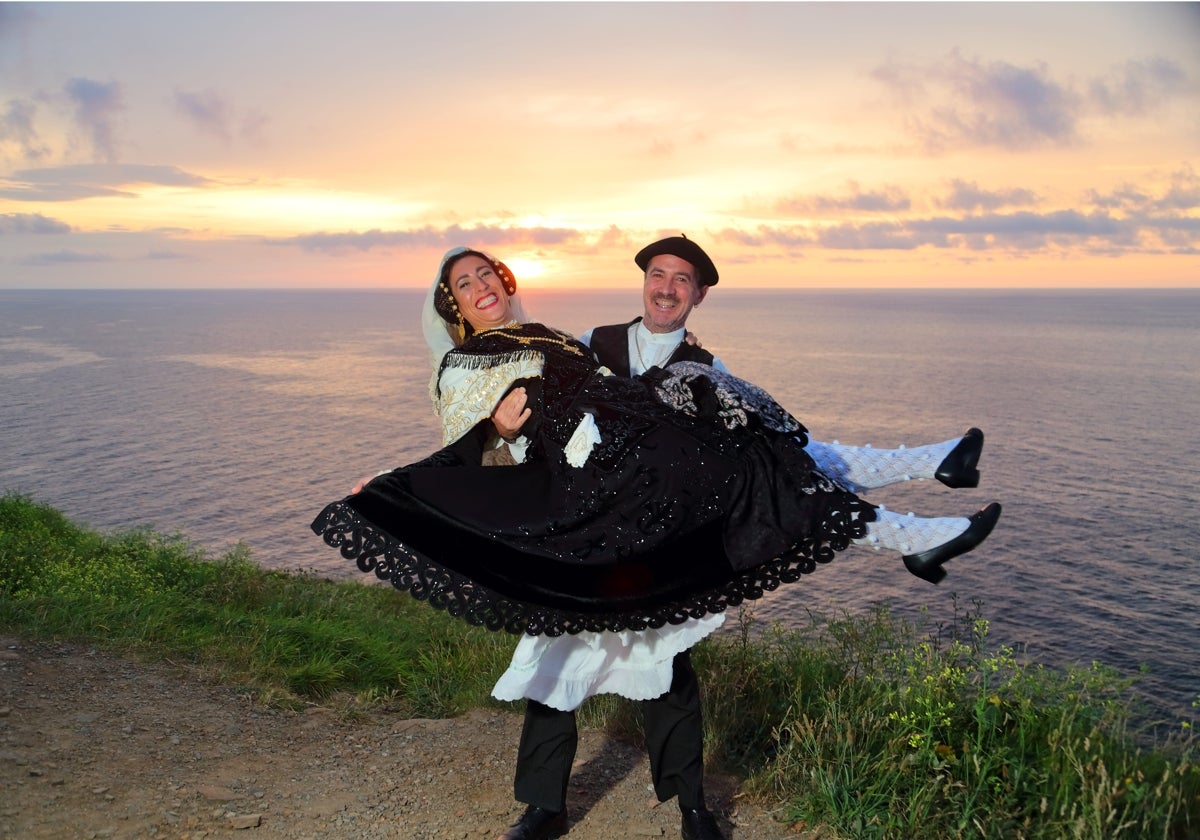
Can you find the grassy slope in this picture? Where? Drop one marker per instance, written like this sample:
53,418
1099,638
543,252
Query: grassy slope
868,724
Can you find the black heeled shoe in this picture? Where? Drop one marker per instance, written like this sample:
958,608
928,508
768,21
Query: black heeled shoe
699,824
958,468
537,824
927,565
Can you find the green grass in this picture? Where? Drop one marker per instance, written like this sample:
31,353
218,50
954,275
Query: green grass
883,729
865,726
292,636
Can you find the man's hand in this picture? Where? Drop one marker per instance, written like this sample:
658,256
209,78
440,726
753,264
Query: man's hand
511,414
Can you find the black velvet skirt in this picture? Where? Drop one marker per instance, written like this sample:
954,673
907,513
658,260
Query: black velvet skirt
697,498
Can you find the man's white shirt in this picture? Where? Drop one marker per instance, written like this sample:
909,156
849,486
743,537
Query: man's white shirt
648,349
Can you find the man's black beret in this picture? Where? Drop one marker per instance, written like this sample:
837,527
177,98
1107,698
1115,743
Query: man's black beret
685,249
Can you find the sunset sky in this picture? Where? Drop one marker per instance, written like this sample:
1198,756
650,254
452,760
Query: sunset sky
970,145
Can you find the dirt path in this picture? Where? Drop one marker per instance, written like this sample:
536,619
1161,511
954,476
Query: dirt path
93,746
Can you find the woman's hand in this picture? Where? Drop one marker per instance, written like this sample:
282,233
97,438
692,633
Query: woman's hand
362,482
690,338
511,414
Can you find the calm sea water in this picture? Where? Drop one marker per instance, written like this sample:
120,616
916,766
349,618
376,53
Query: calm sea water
235,416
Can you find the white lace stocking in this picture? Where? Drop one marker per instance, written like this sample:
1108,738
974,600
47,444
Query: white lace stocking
862,468
911,534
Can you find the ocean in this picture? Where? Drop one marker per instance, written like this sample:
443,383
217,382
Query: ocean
233,416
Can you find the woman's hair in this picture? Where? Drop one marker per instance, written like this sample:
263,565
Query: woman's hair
443,298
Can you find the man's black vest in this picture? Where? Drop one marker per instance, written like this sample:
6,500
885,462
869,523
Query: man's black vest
611,346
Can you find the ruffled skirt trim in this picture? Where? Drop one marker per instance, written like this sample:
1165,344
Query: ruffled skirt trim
709,586
563,671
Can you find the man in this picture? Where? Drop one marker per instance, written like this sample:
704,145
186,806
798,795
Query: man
677,277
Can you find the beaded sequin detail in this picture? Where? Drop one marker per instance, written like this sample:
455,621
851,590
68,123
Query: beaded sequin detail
631,497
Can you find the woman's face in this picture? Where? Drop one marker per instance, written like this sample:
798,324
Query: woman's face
479,293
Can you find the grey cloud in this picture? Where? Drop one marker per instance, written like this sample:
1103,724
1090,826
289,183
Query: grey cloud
1180,234
69,257
1137,87
1117,222
1178,224
966,195
740,237
16,126
70,183
904,79
1122,197
1182,195
356,241
1021,226
872,236
963,103
484,235
97,106
1025,230
971,103
35,223
61,257
207,110
1184,192
1011,107
1124,221
763,235
427,237
58,192
887,200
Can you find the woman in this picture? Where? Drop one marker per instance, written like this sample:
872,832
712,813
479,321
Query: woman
638,503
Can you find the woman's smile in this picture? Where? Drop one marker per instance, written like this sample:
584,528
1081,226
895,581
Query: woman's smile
479,293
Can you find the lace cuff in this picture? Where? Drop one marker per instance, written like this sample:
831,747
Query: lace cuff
579,447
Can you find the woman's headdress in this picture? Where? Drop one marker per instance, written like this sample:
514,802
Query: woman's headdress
441,321
443,298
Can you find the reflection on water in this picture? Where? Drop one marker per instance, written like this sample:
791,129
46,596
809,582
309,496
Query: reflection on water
235,416
30,357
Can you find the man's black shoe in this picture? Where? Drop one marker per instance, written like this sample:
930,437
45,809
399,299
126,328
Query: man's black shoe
537,824
700,824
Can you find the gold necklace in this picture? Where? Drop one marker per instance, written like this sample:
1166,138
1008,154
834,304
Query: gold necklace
512,332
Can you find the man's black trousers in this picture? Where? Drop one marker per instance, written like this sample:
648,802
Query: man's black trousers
674,741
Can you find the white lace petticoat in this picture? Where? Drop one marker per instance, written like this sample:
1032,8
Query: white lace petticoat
563,671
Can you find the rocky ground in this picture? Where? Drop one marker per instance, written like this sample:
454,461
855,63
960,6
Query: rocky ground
95,746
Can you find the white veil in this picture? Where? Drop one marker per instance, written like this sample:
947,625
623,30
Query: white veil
442,337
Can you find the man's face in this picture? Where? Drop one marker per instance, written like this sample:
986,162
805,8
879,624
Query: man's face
669,293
